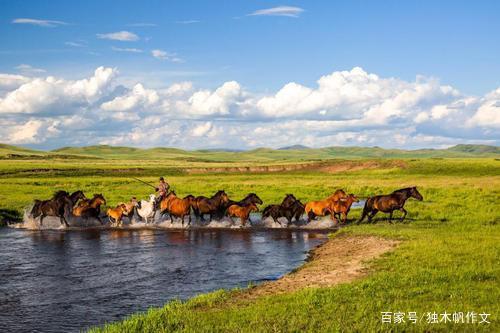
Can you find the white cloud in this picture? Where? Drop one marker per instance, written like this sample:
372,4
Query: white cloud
40,23
29,70
205,102
137,97
187,22
38,94
76,44
124,36
344,108
163,55
127,49
12,81
288,11
488,112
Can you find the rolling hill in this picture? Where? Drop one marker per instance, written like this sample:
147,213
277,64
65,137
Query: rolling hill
292,153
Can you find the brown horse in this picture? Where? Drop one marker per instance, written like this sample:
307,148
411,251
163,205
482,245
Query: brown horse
90,208
243,212
250,198
317,208
131,206
60,204
341,207
389,203
179,207
211,206
115,214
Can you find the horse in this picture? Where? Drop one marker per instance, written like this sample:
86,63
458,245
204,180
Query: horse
248,199
211,206
317,208
146,209
341,207
115,214
60,204
243,212
131,207
90,208
389,203
180,207
290,207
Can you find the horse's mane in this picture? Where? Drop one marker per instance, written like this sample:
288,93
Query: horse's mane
59,194
406,189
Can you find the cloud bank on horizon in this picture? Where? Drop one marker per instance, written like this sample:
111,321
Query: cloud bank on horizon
350,107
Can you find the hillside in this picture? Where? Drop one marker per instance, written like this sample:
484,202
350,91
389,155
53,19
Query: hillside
292,153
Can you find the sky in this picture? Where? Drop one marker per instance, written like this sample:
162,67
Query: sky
246,74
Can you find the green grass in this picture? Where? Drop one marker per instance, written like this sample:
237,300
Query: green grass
448,260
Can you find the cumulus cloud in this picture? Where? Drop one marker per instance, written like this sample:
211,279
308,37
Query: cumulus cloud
351,107
124,36
138,97
40,23
288,11
42,94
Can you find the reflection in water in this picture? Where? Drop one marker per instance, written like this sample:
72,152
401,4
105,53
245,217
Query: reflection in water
59,281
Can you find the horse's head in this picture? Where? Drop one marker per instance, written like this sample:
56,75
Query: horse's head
353,198
98,199
222,195
288,200
254,198
152,198
134,201
416,194
123,207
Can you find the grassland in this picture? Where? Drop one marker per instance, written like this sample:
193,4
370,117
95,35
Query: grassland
448,259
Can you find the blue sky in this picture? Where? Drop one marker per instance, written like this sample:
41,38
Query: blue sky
262,46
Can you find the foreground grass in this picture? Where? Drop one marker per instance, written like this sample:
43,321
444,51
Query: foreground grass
448,260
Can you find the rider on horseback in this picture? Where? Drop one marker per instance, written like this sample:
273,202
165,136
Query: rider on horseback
162,189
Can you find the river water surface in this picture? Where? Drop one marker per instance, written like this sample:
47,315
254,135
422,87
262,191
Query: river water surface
65,281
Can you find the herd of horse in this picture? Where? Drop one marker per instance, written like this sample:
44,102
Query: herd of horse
337,205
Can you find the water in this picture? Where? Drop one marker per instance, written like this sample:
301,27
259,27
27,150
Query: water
65,281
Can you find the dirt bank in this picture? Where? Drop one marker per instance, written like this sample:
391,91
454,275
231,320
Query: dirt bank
339,260
327,167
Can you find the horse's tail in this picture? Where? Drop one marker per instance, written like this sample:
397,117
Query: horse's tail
366,209
266,212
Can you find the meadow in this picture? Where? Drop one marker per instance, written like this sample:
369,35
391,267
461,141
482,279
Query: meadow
448,259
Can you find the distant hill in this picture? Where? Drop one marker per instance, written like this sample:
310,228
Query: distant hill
476,149
294,147
291,153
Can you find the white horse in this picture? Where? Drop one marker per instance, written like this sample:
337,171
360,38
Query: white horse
146,209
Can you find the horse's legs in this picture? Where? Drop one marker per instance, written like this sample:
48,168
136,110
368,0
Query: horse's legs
371,215
41,219
345,218
390,216
63,220
404,213
310,216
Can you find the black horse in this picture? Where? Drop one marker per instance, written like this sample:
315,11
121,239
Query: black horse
60,205
289,208
389,203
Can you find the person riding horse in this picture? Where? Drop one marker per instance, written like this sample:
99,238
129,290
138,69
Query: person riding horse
162,190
